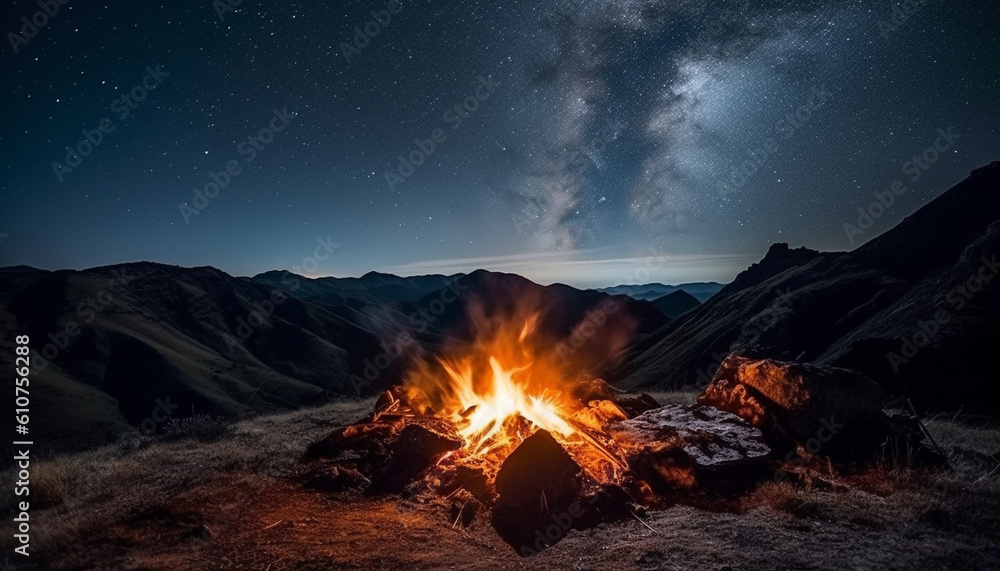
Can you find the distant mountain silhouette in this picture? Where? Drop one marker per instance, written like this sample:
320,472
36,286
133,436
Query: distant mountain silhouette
916,308
113,345
371,288
701,291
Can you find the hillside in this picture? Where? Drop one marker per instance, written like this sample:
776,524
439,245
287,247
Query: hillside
676,303
916,308
135,344
113,345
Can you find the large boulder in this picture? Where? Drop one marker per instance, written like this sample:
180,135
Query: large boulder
682,448
536,484
816,410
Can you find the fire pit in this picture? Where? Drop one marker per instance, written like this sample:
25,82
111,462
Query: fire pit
497,426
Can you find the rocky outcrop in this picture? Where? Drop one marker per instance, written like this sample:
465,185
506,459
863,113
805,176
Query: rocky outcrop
824,411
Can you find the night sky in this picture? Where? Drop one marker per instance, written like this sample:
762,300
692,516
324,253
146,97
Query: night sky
594,142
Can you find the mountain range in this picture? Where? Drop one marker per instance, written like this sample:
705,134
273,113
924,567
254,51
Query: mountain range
701,291
916,308
135,344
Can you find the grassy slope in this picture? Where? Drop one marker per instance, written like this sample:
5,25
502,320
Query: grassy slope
108,510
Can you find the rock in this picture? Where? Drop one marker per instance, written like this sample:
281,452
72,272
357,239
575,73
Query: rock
589,390
374,439
634,405
537,481
538,466
808,409
416,449
796,398
390,451
680,447
420,442
606,504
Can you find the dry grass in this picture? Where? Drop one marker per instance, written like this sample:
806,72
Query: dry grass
108,510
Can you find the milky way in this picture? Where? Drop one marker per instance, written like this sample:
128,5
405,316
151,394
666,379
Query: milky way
570,141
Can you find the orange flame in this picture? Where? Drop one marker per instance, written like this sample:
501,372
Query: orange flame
501,389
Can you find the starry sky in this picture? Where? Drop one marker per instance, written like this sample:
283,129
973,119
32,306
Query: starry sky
592,142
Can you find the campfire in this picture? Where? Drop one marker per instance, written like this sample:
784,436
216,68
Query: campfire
502,422
503,388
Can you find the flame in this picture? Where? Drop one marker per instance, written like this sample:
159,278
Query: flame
488,416
501,389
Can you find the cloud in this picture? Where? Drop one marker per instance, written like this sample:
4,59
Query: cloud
584,268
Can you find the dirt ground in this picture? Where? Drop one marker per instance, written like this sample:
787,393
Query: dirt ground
235,504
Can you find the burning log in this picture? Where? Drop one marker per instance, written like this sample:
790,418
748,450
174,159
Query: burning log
370,443
681,448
